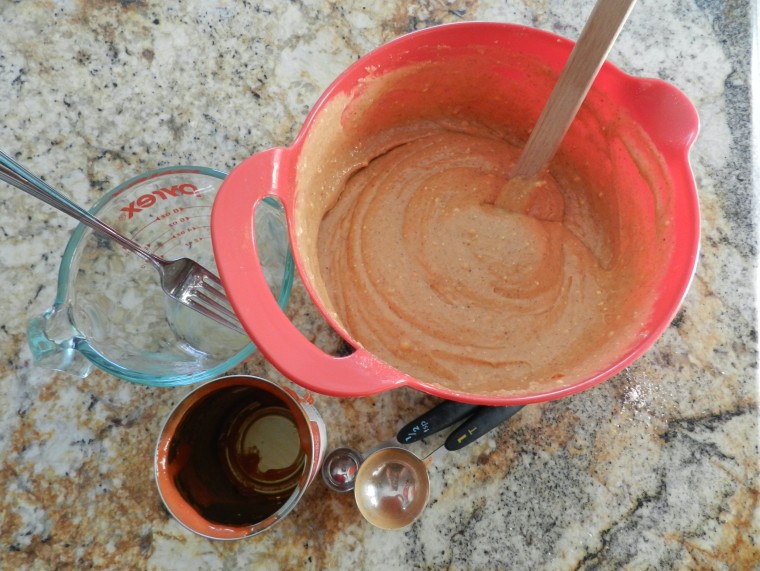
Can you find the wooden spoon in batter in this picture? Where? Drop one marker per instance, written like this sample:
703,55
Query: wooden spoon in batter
524,192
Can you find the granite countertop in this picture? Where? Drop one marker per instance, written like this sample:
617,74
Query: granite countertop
656,468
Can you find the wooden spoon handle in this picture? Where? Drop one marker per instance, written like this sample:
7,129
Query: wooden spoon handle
588,55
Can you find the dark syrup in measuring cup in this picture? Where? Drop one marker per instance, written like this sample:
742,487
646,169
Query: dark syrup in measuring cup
237,456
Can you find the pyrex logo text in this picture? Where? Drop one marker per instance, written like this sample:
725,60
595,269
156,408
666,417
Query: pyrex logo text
147,200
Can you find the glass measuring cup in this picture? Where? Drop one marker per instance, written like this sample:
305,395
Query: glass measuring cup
110,311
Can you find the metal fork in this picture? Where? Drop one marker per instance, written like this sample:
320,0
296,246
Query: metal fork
184,280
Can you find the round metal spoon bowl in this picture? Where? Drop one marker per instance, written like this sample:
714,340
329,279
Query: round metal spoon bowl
339,469
392,488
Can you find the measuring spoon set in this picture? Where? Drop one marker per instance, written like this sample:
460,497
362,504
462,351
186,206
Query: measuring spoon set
391,484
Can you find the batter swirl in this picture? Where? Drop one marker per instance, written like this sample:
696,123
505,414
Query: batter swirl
428,274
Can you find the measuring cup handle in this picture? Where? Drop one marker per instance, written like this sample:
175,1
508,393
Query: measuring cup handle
436,419
233,232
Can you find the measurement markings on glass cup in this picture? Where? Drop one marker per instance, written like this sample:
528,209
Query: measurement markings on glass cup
176,226
183,228
148,200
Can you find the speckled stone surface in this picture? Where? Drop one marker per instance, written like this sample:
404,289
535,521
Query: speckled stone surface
656,468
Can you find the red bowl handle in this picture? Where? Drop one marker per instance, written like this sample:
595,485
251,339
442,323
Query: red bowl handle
233,237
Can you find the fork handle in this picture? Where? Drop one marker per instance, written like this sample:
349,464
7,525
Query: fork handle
16,175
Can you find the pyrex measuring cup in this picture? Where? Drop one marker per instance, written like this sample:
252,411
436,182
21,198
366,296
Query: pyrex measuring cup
110,311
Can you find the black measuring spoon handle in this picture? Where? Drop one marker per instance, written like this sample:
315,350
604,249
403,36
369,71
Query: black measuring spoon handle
485,419
437,418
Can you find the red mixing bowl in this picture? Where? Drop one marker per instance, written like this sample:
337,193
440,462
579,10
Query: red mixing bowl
478,66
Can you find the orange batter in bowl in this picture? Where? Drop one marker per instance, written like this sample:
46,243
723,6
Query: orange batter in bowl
409,254
428,274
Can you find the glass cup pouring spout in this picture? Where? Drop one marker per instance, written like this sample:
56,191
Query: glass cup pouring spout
56,343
